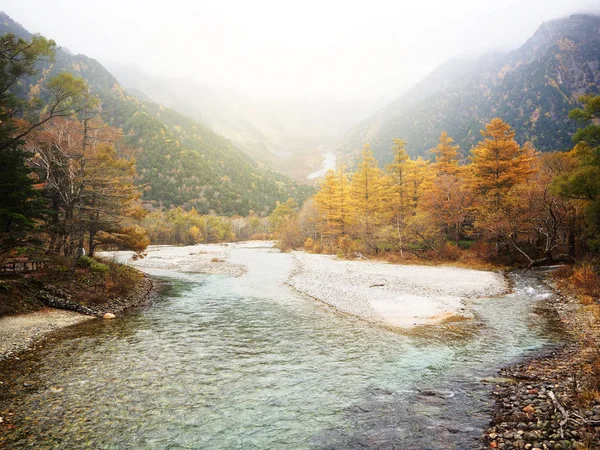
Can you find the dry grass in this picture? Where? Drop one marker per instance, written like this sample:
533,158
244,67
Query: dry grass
586,281
583,283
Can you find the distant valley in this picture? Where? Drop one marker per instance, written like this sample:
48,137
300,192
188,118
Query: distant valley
288,135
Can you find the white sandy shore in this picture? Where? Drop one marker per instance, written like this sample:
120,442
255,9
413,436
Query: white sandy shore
392,294
17,333
201,258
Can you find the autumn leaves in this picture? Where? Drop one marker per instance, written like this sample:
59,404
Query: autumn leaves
416,205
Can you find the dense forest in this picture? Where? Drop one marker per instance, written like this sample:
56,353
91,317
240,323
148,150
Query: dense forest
179,162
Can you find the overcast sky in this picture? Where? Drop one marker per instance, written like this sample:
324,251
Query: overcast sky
334,49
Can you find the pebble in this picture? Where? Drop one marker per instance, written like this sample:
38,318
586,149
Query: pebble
403,293
525,415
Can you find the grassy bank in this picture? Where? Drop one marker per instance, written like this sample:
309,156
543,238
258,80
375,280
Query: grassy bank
94,284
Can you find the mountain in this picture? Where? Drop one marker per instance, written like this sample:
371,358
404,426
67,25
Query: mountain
285,134
222,110
532,88
180,162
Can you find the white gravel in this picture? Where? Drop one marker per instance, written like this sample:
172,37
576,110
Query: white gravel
392,294
200,258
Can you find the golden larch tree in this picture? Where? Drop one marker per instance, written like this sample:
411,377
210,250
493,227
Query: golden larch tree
448,197
400,201
499,162
368,196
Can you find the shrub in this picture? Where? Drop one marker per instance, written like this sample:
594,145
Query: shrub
309,244
586,281
85,262
450,252
98,267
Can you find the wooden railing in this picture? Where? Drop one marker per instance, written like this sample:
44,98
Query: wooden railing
22,266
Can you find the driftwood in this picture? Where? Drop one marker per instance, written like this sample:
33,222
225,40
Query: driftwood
543,261
360,255
377,285
562,410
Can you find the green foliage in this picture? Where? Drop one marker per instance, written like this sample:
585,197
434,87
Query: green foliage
98,267
180,227
590,133
18,59
582,183
19,202
85,261
283,211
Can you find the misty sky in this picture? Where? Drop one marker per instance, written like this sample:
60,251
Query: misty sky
316,49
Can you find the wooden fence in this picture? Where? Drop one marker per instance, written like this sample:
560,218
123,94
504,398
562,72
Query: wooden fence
22,266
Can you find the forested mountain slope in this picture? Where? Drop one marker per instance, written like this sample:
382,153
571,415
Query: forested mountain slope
532,88
281,133
180,162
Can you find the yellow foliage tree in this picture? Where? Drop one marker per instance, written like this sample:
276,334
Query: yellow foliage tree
446,156
368,197
448,198
499,162
500,167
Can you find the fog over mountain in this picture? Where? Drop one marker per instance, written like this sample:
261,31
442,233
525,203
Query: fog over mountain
288,83
312,49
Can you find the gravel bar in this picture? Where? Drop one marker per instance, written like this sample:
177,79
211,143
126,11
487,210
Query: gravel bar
391,294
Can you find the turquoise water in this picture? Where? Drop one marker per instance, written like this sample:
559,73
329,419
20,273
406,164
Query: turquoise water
248,363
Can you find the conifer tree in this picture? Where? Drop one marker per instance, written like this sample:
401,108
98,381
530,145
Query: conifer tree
446,156
448,198
325,201
500,167
398,180
369,195
499,162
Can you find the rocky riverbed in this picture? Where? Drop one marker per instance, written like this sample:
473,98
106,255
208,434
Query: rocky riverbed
547,402
392,294
23,331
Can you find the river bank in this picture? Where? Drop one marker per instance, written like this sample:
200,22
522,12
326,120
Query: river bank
552,401
396,295
60,309
200,258
389,294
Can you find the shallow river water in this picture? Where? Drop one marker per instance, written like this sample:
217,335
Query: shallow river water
246,362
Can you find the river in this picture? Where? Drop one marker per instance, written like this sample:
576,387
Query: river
219,363
329,160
